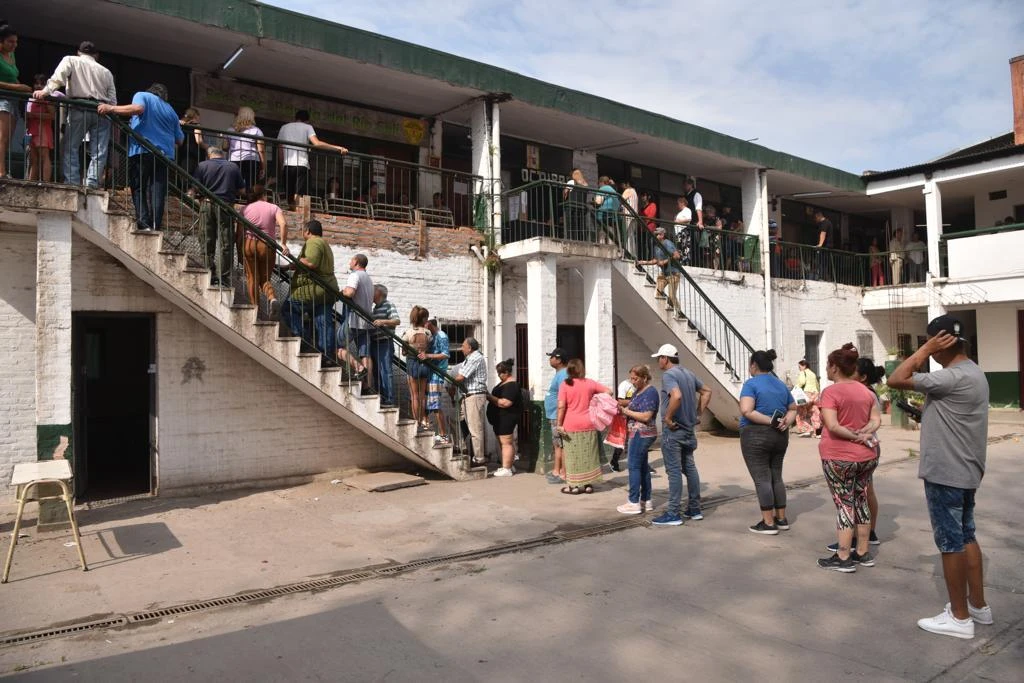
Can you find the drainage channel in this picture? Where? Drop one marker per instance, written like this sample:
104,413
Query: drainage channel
356,575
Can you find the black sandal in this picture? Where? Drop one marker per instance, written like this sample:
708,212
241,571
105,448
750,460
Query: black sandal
571,490
587,489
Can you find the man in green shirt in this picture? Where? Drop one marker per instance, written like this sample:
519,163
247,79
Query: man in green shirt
308,310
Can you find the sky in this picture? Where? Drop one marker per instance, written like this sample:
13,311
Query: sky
877,84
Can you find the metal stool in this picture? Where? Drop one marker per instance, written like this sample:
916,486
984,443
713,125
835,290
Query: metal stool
32,474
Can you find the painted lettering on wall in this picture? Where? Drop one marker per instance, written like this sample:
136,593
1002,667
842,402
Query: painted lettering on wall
529,175
228,96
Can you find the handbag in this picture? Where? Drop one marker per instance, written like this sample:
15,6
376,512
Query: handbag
616,436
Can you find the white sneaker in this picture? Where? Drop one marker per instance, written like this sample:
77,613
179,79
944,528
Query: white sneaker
947,625
630,508
648,505
981,615
503,472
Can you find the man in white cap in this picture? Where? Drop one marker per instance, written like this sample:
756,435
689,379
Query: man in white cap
683,398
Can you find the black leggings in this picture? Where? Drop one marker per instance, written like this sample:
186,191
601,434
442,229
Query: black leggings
764,448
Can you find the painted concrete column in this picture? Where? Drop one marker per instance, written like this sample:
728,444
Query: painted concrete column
485,131
933,282
586,161
53,334
597,321
756,211
429,183
541,321
53,351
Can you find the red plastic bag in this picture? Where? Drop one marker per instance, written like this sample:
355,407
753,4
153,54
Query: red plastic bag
616,436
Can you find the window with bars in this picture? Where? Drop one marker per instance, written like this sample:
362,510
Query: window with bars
457,333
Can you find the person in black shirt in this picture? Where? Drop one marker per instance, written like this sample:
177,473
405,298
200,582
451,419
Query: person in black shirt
224,180
825,241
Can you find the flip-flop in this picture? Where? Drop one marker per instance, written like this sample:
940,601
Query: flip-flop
571,490
587,489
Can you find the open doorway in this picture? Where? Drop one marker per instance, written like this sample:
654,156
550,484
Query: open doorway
114,398
812,351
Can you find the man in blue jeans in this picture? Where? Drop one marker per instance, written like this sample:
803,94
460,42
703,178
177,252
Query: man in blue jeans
683,399
954,431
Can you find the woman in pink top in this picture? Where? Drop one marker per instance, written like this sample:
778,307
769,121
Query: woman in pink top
848,457
258,256
580,441
39,124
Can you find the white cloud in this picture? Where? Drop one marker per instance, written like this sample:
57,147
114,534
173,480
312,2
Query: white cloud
874,84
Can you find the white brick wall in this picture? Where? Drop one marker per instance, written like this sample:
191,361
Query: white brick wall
18,339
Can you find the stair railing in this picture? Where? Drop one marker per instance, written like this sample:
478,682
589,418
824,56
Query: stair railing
250,265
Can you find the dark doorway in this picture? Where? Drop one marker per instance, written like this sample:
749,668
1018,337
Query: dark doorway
114,399
812,347
570,338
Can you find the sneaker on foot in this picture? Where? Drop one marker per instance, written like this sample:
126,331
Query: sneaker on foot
981,615
782,523
846,566
865,560
668,519
648,506
630,508
832,547
947,625
695,516
873,540
762,528
503,472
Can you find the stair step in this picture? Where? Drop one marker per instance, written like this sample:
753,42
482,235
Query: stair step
243,307
171,252
195,269
147,233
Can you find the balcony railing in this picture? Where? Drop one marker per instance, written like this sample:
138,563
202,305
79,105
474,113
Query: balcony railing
982,252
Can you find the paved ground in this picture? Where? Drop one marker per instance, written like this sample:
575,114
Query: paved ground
708,599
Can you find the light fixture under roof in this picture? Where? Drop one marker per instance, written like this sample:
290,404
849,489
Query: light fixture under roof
232,58
808,195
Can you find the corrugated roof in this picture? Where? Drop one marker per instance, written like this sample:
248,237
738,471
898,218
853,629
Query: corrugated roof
995,148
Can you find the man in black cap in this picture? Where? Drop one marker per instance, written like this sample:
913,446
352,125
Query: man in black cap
954,430
83,78
558,360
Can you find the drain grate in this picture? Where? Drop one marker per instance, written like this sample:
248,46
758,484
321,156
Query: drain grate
63,631
601,529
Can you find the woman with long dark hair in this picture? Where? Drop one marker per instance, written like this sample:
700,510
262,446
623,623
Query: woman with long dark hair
767,411
504,408
580,440
851,416
9,82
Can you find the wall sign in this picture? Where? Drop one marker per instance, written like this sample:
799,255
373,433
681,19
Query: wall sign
228,96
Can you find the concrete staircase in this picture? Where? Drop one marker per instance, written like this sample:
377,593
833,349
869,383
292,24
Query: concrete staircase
653,320
149,256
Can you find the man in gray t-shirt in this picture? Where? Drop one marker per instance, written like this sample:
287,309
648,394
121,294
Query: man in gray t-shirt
954,431
294,158
359,289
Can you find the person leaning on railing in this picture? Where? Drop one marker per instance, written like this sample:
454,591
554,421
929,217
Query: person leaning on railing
667,258
82,77
8,81
295,159
154,120
311,299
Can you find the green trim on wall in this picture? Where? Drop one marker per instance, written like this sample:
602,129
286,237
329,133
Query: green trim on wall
1003,388
262,21
48,440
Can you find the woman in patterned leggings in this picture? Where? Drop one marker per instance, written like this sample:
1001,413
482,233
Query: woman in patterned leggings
848,457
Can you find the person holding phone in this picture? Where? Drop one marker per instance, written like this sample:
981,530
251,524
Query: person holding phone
767,412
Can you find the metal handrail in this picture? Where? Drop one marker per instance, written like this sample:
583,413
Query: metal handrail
280,254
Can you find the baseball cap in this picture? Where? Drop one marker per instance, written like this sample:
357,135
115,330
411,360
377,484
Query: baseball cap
946,323
666,350
558,352
86,47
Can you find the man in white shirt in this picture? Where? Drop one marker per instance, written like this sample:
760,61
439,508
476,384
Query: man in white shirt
916,250
295,160
896,254
83,78
359,288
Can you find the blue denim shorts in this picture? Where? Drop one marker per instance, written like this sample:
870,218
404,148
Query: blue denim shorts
416,369
952,514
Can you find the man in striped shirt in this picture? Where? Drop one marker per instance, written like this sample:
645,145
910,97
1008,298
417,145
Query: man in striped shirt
473,373
382,346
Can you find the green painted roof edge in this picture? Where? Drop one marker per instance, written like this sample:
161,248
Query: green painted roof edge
265,21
